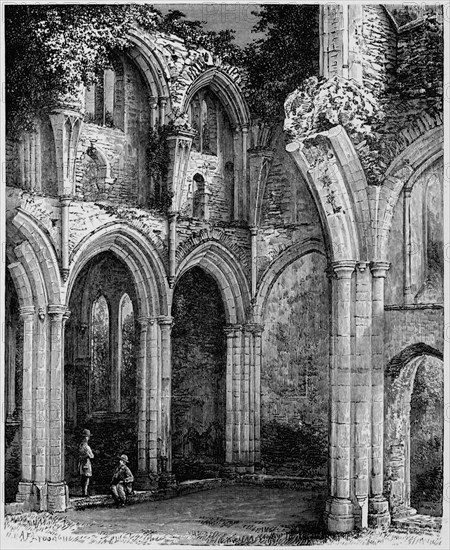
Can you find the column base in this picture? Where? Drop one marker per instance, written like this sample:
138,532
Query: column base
229,471
379,515
25,494
339,515
57,496
145,481
167,481
43,497
362,512
402,512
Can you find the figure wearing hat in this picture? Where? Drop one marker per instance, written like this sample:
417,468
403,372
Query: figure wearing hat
121,482
84,462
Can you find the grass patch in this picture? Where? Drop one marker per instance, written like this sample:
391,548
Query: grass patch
41,527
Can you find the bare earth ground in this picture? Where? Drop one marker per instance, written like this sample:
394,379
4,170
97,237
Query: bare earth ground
232,516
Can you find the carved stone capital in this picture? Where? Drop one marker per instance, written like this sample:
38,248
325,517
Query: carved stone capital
56,309
379,269
27,311
143,321
165,320
344,268
255,328
361,266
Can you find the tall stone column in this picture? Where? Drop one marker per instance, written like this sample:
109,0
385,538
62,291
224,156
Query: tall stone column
41,435
237,426
407,294
245,190
339,507
165,323
254,388
257,354
378,506
245,396
237,150
56,486
142,396
362,391
229,414
27,315
153,381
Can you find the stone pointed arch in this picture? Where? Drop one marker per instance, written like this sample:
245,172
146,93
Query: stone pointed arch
138,254
21,284
151,63
331,169
403,171
221,264
400,374
226,90
36,252
278,265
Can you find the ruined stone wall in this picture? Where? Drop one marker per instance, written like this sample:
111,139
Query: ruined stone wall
289,213
198,377
125,150
379,49
294,372
420,58
425,206
406,326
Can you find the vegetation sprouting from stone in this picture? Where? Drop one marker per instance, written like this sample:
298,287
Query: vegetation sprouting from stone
278,63
52,50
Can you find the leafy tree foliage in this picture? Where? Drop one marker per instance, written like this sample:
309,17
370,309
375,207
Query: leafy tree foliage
277,64
51,50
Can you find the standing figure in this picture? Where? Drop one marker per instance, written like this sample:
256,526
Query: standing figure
121,482
84,462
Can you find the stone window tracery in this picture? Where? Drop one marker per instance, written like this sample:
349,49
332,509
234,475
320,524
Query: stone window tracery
100,356
127,361
198,197
208,117
104,100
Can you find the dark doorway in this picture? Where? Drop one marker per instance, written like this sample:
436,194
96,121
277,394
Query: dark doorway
101,350
426,438
198,377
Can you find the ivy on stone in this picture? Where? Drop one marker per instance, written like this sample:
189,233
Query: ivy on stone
52,50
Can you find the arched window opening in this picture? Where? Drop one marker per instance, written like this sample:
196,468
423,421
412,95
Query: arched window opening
433,238
127,359
104,101
198,197
208,117
229,187
100,356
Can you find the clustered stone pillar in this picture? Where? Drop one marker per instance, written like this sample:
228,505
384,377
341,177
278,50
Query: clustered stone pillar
378,506
142,395
42,486
229,409
362,392
27,315
40,414
339,507
165,323
407,295
56,486
242,397
153,391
